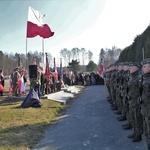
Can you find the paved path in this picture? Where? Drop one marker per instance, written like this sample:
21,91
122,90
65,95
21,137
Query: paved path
89,124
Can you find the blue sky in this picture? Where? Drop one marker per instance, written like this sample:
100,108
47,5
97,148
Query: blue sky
91,24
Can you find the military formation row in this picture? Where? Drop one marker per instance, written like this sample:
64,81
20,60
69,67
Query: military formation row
128,86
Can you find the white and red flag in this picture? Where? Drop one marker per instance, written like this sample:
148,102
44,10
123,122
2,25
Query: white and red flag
21,85
101,68
35,25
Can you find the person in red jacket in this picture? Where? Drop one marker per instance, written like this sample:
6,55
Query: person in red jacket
2,81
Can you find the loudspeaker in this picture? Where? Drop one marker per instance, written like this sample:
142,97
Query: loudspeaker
33,71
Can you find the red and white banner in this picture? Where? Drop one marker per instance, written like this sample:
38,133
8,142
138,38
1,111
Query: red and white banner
101,68
21,85
35,25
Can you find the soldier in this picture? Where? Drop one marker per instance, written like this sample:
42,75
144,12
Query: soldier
145,103
107,81
135,116
125,110
119,82
112,87
124,91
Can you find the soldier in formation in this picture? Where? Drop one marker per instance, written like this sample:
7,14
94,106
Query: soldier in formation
128,85
145,99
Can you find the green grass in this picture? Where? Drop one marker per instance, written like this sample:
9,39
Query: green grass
22,128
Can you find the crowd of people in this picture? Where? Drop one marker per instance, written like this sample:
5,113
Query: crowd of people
54,81
47,83
128,85
83,78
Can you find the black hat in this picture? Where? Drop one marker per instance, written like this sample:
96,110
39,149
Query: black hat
121,64
135,64
16,68
126,63
146,61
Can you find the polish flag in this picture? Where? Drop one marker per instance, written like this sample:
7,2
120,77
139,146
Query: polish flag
35,25
21,85
101,68
10,85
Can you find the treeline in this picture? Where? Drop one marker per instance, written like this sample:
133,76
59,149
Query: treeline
9,61
109,55
134,52
81,55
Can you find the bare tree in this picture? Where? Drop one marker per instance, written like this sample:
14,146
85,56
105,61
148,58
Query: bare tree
64,54
74,52
90,55
83,51
111,55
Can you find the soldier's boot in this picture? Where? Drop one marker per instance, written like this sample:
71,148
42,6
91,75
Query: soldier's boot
148,146
114,108
111,102
118,112
108,99
127,126
122,118
131,136
137,138
112,105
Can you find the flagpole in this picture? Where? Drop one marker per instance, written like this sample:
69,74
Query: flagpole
43,48
26,52
143,53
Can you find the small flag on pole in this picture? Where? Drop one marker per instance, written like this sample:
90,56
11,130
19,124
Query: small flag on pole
61,69
55,68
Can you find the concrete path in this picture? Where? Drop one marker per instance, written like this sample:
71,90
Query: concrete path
89,124
64,95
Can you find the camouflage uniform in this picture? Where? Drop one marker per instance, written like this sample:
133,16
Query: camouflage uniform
107,81
112,88
124,89
125,109
135,116
119,97
145,106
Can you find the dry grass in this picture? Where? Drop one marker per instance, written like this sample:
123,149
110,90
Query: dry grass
21,128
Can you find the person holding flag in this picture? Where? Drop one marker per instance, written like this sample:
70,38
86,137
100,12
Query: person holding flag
2,81
101,67
15,76
22,81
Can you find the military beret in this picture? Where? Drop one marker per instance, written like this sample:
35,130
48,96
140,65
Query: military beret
121,64
135,64
115,64
126,63
146,61
111,65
